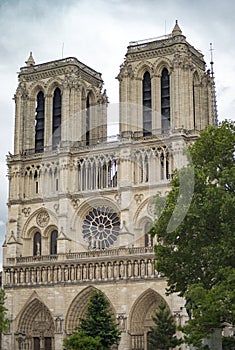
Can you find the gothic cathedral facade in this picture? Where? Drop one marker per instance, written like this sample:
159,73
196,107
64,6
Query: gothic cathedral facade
80,205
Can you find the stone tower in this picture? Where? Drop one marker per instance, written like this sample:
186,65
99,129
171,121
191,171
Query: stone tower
80,206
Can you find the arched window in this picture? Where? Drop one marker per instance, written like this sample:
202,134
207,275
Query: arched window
146,168
162,166
37,244
39,122
36,178
165,100
148,240
88,120
56,118
147,105
53,246
196,101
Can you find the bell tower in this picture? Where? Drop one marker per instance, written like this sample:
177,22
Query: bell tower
164,86
58,102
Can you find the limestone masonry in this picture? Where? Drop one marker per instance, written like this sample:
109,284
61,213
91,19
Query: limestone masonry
80,205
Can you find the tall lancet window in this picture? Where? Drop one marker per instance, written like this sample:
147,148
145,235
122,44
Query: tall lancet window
53,246
147,105
39,122
56,118
37,244
196,101
88,120
165,100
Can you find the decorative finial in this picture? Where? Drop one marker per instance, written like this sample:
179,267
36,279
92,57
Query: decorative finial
30,61
212,62
176,30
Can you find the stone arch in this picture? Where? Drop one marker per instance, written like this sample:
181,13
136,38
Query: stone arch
96,210
31,222
160,65
89,204
49,229
36,321
33,230
196,77
54,83
142,311
92,94
142,206
142,67
35,88
78,307
144,221
144,225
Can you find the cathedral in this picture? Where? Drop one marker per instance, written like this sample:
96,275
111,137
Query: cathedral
81,203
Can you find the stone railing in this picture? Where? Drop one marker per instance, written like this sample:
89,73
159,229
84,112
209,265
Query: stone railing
118,252
136,264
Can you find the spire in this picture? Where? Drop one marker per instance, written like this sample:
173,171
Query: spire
214,101
176,30
30,61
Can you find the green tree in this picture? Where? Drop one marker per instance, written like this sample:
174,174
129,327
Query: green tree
4,322
229,343
81,341
98,324
197,256
162,336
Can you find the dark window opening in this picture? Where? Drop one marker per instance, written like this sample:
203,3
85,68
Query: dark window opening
36,186
37,244
146,166
165,100
88,120
53,246
162,167
56,118
147,105
39,123
167,169
57,185
194,108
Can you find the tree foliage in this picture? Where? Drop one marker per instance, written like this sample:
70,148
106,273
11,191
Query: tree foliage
197,256
81,341
228,343
98,324
4,322
163,336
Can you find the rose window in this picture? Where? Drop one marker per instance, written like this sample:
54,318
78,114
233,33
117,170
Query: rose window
101,227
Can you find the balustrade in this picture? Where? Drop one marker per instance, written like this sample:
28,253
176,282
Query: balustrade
81,271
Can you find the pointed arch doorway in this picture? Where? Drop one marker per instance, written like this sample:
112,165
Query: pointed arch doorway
38,325
141,319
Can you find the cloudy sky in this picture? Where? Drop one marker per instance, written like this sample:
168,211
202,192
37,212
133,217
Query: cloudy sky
97,32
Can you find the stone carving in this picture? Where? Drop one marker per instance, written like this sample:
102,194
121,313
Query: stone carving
117,198
101,228
122,321
138,198
58,324
56,207
26,211
43,218
75,203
